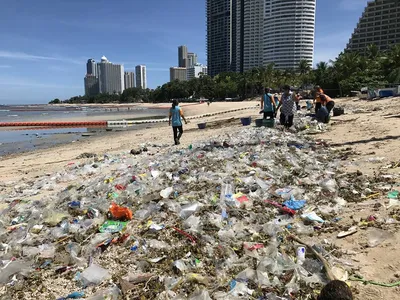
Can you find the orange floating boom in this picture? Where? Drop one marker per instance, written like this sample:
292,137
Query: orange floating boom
54,124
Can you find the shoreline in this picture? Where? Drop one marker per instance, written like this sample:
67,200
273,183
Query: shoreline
13,165
135,122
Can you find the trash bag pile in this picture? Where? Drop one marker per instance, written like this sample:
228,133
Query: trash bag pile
211,221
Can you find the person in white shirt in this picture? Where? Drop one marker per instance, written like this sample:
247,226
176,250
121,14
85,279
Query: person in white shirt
288,104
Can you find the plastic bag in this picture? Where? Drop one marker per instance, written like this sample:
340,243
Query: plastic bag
94,275
12,268
120,213
113,226
189,209
200,295
166,192
377,236
109,294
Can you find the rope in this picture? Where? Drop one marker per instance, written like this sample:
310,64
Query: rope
364,281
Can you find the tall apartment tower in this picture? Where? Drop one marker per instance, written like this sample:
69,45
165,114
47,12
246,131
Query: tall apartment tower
177,73
141,76
379,25
182,57
191,59
129,80
91,67
249,34
289,29
195,71
221,36
111,77
91,85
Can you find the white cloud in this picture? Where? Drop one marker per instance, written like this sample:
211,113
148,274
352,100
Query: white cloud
353,5
32,57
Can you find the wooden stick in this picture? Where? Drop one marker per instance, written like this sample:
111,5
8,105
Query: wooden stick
326,264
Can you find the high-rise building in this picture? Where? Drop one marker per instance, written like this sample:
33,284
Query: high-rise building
111,77
289,28
195,71
129,80
243,34
249,34
378,25
221,36
182,56
141,76
91,67
91,85
191,59
177,73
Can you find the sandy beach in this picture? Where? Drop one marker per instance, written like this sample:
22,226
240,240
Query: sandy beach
367,136
44,161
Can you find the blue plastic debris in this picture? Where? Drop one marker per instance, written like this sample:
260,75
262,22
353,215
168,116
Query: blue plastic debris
295,204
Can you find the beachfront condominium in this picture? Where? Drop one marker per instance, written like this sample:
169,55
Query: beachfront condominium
91,85
111,77
196,71
177,73
378,25
289,29
221,36
129,80
243,34
249,34
191,59
141,79
91,67
182,56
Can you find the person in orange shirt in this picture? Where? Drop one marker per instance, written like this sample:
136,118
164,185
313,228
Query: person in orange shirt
317,100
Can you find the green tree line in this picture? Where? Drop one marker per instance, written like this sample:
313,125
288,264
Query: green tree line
350,71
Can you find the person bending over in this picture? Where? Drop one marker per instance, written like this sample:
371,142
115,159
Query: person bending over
317,100
176,115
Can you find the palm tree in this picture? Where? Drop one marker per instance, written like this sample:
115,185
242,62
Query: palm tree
304,67
372,51
393,64
321,73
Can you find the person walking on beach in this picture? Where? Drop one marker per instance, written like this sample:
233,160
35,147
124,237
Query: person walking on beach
176,115
268,105
288,104
317,100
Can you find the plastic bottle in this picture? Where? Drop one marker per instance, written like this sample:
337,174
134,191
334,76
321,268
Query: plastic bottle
301,254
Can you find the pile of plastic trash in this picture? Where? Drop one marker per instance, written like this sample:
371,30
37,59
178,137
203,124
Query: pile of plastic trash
209,222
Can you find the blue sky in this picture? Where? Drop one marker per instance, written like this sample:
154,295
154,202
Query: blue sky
44,44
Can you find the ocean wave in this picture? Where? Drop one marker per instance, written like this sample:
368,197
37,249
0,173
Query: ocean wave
4,110
12,116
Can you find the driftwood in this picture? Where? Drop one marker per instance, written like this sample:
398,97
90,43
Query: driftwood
327,267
